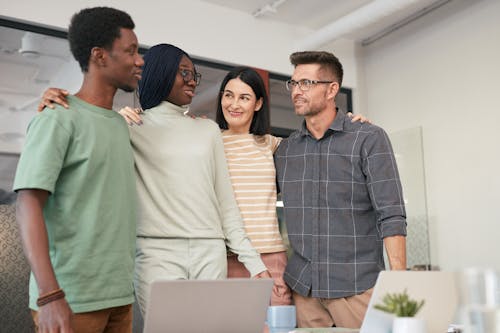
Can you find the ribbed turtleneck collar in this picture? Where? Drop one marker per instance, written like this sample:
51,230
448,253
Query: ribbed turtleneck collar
169,108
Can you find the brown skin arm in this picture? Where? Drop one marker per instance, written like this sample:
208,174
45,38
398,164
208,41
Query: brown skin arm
395,247
53,96
54,316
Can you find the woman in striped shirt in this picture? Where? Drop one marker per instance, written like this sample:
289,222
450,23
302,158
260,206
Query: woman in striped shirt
243,116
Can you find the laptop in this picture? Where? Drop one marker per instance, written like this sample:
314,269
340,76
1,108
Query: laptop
209,306
438,289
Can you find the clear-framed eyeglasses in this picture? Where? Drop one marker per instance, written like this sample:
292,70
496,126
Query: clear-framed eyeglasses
188,75
304,84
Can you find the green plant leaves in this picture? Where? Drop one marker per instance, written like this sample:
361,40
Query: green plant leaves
400,304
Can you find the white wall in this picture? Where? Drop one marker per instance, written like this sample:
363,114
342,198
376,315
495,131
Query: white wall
442,73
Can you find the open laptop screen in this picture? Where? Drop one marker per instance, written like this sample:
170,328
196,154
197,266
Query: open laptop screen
210,306
438,289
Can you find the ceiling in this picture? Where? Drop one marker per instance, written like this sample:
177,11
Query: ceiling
351,19
25,74
319,12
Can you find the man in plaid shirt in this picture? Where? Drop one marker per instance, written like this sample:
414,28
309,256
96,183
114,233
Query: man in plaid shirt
342,200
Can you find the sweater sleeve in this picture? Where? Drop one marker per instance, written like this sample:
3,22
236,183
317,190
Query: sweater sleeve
232,223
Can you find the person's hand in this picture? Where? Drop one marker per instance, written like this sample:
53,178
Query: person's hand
131,115
55,317
53,96
280,287
263,275
358,117
193,116
266,275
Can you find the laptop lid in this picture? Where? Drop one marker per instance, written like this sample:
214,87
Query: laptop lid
438,289
209,306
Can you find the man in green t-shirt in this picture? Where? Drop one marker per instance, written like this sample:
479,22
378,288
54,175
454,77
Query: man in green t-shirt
75,180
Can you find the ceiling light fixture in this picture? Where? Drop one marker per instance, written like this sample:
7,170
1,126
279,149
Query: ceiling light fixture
34,46
30,45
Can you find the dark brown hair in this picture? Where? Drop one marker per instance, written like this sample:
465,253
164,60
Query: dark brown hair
261,120
327,60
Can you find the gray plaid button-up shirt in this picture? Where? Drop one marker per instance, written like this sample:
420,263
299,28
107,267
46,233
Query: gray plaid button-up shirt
342,195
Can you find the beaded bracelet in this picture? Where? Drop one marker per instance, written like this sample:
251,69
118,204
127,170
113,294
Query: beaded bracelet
50,297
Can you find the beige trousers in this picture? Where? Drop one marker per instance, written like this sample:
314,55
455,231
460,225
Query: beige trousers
327,312
176,259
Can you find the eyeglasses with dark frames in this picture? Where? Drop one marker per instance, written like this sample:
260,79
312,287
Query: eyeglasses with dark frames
304,84
188,75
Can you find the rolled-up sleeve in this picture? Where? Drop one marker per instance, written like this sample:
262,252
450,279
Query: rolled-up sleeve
384,185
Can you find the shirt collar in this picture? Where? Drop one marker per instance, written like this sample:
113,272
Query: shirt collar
336,125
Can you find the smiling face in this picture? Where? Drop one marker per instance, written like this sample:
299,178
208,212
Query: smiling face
319,96
239,104
182,92
124,66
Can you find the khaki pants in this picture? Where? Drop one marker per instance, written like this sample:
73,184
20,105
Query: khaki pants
327,312
112,320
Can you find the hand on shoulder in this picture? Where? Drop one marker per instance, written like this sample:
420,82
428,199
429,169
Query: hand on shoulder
132,115
53,96
358,117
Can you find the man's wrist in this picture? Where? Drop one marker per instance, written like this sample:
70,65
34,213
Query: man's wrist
51,296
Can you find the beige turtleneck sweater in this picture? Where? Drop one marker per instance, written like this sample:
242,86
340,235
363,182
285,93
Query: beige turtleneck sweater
183,182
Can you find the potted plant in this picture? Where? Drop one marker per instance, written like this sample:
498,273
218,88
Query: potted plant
405,309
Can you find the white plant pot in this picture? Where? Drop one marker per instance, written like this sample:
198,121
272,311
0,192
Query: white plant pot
408,325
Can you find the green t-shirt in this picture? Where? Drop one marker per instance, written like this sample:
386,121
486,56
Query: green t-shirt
83,157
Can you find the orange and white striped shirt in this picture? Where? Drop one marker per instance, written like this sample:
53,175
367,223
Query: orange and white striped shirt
253,176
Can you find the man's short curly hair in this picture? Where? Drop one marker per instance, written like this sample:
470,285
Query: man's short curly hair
95,27
325,59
